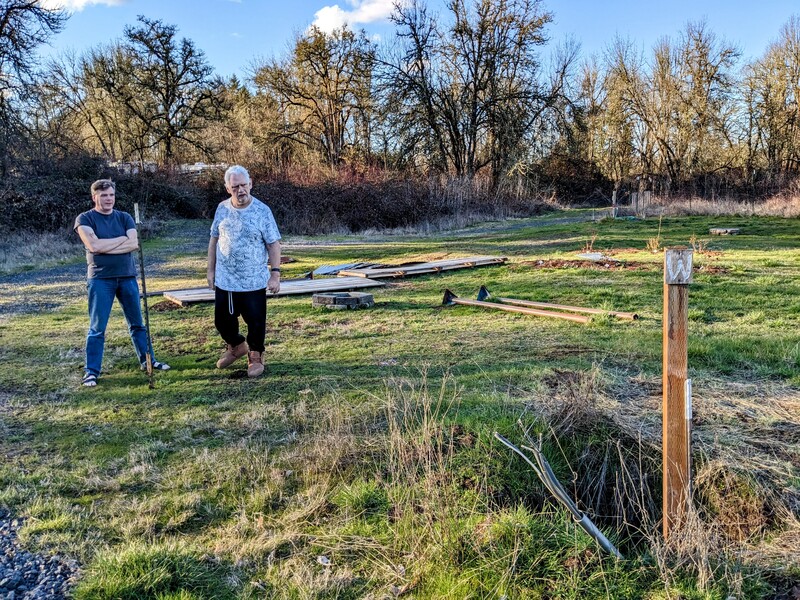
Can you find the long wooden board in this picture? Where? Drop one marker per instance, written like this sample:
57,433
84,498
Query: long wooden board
423,268
288,288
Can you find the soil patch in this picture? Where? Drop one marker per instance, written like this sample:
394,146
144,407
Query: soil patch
165,306
610,265
712,269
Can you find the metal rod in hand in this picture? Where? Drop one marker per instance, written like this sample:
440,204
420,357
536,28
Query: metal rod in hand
149,351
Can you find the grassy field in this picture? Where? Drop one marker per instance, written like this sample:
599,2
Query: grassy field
362,465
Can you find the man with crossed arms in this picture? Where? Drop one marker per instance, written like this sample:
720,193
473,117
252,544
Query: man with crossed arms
110,239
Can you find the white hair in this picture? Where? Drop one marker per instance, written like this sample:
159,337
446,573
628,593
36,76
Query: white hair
235,170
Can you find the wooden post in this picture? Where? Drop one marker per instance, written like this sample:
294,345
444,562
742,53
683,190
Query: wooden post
614,204
645,202
677,388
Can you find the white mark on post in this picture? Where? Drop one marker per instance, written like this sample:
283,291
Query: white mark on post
136,212
678,266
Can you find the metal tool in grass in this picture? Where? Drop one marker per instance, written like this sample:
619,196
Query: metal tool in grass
148,357
542,468
450,298
484,295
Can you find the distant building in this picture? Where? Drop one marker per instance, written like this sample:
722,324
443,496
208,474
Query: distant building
132,168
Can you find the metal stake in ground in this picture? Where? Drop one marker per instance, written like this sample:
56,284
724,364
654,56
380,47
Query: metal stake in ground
451,298
483,295
148,358
677,412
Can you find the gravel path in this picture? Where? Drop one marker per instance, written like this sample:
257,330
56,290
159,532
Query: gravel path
50,289
27,576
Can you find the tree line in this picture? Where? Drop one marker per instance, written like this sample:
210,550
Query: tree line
470,94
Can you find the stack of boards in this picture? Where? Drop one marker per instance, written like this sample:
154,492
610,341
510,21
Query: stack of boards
348,279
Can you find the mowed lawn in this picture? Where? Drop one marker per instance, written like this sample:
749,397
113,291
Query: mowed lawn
363,465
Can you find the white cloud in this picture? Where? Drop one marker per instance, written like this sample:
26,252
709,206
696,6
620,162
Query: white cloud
330,18
363,11
76,5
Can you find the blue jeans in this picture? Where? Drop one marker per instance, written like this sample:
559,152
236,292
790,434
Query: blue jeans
101,296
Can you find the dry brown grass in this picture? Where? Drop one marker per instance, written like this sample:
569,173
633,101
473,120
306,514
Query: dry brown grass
654,243
777,206
589,245
746,442
20,251
698,246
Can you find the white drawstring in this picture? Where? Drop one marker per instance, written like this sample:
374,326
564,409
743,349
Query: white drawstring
230,302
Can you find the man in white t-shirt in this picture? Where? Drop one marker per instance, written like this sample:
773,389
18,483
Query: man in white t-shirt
244,236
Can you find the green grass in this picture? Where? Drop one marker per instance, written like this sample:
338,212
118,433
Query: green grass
363,464
154,571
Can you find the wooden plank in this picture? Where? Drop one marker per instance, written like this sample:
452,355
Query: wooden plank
334,269
425,268
724,231
288,288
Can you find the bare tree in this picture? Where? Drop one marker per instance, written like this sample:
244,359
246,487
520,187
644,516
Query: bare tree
24,26
162,86
772,104
681,103
466,95
609,124
323,90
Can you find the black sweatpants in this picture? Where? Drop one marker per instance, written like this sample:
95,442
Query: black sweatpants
251,306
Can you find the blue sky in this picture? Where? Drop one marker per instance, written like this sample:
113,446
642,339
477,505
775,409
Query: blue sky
235,33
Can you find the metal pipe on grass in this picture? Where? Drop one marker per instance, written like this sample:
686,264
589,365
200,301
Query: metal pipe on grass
451,298
548,478
484,294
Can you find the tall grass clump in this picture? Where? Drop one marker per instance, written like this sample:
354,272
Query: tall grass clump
614,467
162,571
491,536
26,251
785,205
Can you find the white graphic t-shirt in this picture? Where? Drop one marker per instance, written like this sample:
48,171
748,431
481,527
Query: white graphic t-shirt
242,247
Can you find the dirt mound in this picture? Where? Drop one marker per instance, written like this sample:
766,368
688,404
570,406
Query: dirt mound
608,265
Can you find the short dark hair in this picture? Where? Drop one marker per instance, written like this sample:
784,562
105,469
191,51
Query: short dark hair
103,184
